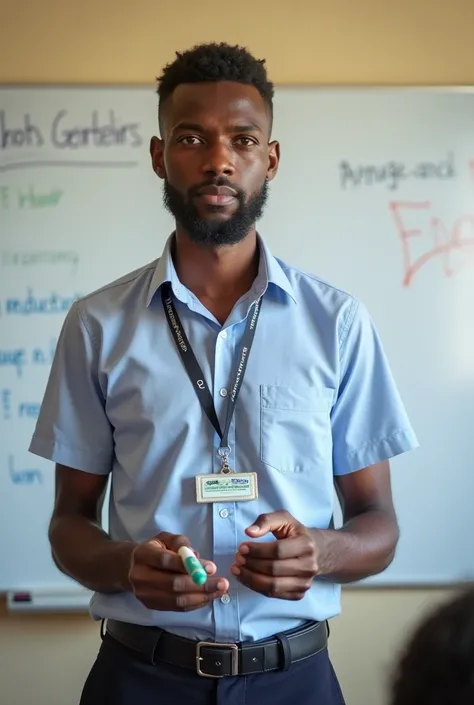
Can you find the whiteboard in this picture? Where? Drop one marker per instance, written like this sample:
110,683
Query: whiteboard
375,194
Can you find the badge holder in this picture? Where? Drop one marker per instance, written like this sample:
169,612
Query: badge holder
226,485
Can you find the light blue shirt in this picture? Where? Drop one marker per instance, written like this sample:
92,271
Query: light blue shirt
317,400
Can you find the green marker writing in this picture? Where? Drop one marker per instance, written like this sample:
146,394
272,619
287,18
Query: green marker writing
192,565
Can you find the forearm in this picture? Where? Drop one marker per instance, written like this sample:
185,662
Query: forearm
364,546
82,550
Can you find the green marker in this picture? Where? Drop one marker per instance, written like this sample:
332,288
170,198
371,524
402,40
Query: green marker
193,565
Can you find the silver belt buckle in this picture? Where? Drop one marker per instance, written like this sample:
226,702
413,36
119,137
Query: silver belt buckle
234,665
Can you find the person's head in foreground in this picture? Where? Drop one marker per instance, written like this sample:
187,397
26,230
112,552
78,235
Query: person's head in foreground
437,664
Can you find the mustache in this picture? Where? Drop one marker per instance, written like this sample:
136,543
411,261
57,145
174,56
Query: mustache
217,181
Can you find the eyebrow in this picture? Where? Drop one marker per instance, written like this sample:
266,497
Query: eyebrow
196,127
249,127
192,126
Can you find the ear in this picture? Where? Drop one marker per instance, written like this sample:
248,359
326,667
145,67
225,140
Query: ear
157,156
273,159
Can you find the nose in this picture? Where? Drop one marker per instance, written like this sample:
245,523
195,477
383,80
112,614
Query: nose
218,161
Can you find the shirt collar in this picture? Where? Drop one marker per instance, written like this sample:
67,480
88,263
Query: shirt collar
165,272
270,272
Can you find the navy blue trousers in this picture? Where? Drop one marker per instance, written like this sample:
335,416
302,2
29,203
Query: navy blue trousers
120,677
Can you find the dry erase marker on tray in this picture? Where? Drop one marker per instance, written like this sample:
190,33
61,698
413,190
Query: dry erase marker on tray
192,565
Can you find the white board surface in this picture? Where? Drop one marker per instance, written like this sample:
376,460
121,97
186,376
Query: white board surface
375,193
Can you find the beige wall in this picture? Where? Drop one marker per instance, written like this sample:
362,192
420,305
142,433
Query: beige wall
45,659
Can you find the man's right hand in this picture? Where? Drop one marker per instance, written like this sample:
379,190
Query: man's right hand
159,580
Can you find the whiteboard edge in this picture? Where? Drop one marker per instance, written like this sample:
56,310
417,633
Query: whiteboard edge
333,87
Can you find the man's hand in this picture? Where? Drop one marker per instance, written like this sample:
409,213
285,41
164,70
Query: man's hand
284,568
159,580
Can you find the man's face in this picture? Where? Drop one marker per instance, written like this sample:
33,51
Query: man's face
215,159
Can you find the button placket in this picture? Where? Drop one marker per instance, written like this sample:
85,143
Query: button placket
226,608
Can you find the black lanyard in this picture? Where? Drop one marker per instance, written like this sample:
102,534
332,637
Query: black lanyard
195,372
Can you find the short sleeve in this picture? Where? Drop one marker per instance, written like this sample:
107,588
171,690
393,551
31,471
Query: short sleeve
369,420
72,427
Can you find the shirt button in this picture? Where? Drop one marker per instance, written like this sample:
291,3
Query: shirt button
225,599
223,334
223,392
223,513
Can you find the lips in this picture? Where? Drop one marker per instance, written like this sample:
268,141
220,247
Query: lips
217,195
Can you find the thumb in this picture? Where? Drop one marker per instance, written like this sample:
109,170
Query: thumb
278,523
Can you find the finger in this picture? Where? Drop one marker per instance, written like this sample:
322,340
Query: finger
281,521
154,553
182,602
193,601
285,588
183,584
147,579
295,567
209,567
173,542
278,550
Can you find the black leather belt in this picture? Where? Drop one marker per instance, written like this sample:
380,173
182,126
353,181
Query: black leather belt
215,660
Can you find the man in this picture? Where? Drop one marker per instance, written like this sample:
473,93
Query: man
223,391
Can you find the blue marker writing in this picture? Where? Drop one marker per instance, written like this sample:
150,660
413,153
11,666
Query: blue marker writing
192,565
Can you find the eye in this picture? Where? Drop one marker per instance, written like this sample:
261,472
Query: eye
189,140
245,141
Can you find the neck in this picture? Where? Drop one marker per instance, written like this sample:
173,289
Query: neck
220,274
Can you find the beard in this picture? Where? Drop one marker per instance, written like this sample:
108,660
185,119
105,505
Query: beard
211,232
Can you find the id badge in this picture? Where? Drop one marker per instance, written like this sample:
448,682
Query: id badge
227,487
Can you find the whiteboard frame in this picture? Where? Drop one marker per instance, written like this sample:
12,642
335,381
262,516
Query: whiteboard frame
442,89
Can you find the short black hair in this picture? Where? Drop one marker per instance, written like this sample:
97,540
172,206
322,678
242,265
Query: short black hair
216,62
436,666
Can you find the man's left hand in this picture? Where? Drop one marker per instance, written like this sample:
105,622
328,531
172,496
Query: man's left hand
284,568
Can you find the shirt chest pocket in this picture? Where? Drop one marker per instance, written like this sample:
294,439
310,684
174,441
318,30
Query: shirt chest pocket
295,428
